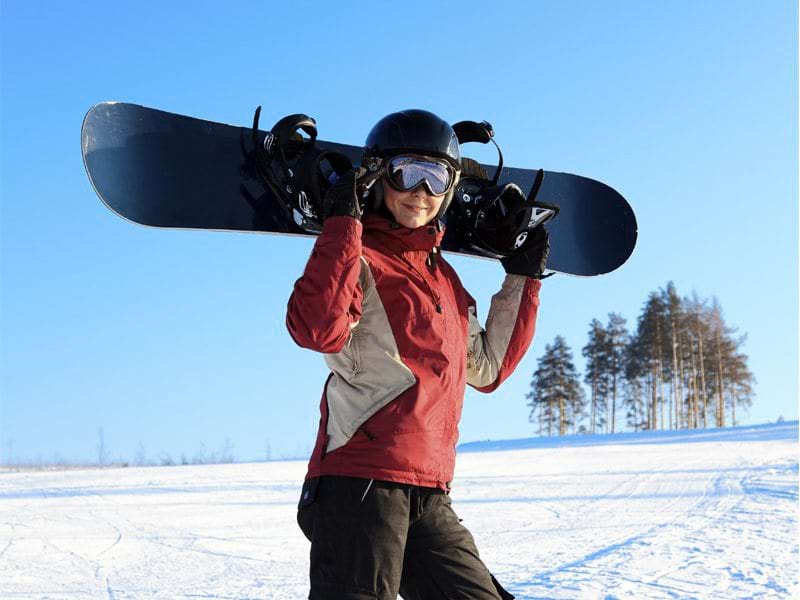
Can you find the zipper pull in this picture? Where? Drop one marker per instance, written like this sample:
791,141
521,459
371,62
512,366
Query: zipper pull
433,258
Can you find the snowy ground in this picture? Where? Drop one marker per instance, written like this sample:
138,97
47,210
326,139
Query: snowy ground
684,515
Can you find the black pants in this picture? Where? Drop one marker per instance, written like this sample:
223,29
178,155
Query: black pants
373,539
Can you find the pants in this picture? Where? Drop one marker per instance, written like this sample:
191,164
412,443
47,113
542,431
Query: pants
374,539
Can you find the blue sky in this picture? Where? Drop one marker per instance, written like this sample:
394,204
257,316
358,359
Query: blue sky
176,339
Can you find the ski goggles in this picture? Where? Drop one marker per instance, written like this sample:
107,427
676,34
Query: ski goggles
407,171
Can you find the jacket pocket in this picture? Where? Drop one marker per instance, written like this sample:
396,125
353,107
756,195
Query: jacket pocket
355,352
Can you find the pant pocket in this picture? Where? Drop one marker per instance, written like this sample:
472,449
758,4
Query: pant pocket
306,507
305,519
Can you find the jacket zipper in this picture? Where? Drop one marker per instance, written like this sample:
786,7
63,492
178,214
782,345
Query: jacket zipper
436,300
352,343
371,437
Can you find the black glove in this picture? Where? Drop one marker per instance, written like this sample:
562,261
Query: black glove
342,200
531,259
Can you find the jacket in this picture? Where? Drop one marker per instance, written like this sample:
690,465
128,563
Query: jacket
402,338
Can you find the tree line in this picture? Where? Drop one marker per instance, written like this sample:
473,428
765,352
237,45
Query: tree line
682,367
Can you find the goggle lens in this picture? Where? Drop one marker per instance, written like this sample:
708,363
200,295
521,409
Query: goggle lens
407,172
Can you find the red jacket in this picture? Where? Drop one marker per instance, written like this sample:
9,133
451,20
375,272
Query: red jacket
402,340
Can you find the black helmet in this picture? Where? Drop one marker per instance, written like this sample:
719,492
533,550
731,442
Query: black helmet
412,131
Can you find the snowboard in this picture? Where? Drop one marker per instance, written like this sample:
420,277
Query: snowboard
161,169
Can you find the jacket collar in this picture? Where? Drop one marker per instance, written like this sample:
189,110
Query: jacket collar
402,238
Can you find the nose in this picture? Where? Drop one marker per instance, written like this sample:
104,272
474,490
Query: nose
420,192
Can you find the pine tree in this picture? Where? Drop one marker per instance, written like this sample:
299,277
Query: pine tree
556,391
635,389
730,379
594,352
699,329
616,343
648,347
740,381
674,316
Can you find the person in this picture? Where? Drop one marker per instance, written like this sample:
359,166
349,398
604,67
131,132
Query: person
402,338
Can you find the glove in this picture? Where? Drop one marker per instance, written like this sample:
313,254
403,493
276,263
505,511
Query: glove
341,200
531,259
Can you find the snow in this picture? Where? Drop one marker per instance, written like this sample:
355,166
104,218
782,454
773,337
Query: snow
707,514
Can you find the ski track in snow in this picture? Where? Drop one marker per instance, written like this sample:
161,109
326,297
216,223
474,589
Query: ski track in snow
674,517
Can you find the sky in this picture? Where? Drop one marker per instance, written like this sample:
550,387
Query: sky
173,342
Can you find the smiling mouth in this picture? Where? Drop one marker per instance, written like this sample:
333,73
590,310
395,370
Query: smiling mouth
414,208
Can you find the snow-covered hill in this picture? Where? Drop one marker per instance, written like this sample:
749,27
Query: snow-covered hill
708,514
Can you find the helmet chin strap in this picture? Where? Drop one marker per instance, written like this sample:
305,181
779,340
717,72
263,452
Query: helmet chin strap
375,198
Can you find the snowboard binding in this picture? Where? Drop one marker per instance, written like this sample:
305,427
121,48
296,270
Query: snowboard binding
490,218
295,170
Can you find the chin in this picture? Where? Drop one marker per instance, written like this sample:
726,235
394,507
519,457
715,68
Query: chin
414,222
407,218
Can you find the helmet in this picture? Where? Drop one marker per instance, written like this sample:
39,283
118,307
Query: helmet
412,131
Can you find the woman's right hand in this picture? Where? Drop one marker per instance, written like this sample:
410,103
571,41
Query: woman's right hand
341,199
345,198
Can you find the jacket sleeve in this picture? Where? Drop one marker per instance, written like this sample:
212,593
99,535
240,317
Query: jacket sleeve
493,353
325,304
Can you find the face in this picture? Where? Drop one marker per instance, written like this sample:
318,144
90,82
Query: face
412,209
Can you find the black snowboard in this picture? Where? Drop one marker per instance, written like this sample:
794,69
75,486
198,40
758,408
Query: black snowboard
166,170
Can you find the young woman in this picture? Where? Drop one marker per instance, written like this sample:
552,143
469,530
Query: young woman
402,339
